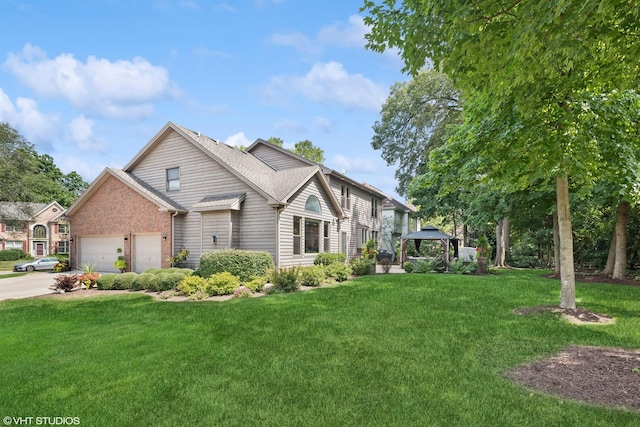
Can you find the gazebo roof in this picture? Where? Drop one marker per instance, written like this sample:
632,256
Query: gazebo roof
428,232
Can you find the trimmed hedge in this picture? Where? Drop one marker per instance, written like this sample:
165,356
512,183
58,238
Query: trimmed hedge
106,281
13,255
243,264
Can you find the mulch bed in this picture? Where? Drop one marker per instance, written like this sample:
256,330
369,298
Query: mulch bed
596,375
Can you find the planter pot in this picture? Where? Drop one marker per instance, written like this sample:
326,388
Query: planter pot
482,265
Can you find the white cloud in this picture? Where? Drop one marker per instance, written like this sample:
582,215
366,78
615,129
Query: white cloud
238,139
350,34
330,84
82,135
352,165
122,89
37,127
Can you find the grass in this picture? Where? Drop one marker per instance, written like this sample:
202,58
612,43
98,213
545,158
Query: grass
8,265
9,275
382,350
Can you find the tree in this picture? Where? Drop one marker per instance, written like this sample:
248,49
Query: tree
414,120
528,65
276,141
307,150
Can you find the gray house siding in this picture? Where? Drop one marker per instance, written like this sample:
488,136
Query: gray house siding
202,176
296,208
276,159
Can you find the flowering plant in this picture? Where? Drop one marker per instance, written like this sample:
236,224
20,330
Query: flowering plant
242,292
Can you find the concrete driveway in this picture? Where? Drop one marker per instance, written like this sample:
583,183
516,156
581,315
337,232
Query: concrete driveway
29,285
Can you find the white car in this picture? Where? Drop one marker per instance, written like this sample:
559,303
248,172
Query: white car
37,264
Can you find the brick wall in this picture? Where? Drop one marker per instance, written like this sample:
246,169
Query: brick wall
114,208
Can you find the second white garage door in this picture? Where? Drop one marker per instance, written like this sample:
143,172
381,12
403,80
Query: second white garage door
147,252
100,251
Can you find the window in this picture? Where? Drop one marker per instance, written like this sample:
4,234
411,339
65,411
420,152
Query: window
363,237
13,244
311,236
345,197
312,204
63,247
63,228
14,227
39,232
173,179
296,235
326,247
374,207
374,236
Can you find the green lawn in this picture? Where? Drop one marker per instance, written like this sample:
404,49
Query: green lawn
8,265
387,350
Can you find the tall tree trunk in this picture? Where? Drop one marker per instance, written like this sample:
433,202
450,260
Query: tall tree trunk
556,243
622,218
465,235
611,258
502,237
567,269
506,237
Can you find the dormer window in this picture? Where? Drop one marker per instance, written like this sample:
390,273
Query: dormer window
173,179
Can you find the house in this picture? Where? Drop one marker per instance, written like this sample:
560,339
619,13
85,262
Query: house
397,220
39,229
186,190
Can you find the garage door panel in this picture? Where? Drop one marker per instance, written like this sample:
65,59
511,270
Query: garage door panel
147,252
100,251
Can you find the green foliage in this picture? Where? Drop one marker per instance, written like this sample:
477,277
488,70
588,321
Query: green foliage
415,118
460,267
143,281
13,255
427,266
312,275
243,264
360,266
124,280
285,280
256,283
64,283
179,257
328,258
307,150
191,284
106,281
242,292
338,271
408,266
221,284
61,266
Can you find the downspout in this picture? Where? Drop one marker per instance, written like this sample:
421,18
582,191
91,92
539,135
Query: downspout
277,260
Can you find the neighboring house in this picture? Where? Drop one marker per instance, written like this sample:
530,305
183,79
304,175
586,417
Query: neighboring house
397,220
186,190
38,229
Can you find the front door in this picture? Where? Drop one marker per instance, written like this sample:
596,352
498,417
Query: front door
39,249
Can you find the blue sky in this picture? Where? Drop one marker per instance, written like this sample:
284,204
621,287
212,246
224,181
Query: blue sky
91,82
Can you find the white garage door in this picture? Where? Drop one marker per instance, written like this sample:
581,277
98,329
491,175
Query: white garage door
100,251
147,252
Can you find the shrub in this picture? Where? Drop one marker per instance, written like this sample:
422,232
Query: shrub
408,266
327,258
154,270
170,280
88,279
256,283
191,284
242,292
197,296
338,271
423,266
106,281
312,275
385,263
124,280
61,266
243,264
360,266
143,281
64,282
285,280
459,267
13,255
222,284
